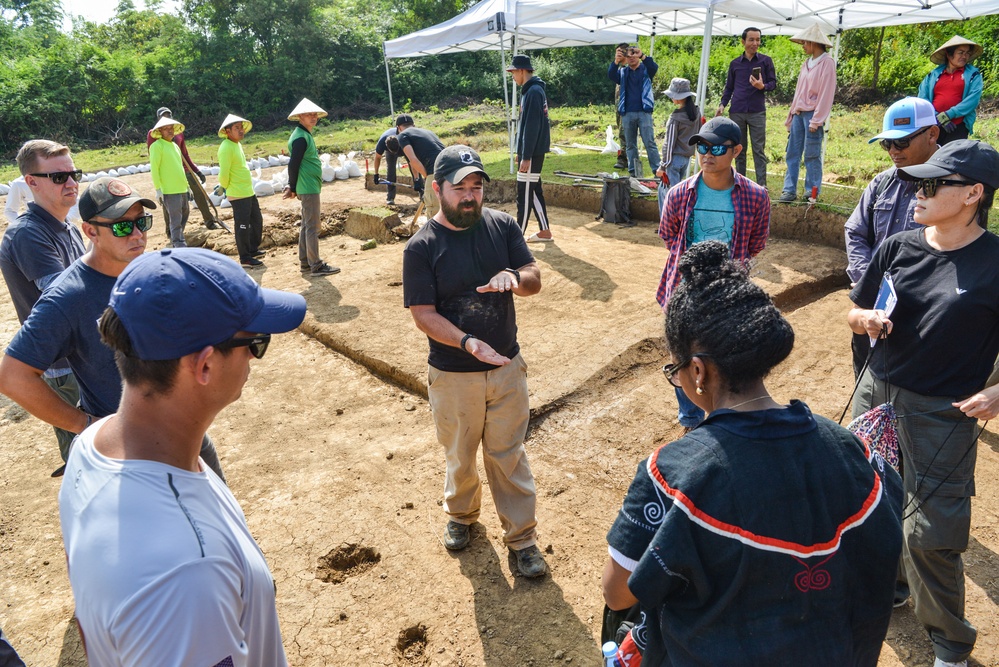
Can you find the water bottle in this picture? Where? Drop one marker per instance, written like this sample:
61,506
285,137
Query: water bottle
610,652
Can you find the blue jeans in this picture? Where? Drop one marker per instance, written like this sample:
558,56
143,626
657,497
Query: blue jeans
633,123
690,415
676,171
810,143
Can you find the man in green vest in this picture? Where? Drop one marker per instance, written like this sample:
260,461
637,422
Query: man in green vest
166,166
305,181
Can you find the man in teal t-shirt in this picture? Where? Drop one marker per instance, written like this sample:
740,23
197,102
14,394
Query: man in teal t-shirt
305,181
715,204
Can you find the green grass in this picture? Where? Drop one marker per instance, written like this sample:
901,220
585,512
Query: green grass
850,162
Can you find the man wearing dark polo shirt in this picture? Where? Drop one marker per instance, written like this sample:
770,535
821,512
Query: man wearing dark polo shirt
749,76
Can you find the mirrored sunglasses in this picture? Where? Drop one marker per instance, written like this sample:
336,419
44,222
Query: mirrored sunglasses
124,228
60,177
717,150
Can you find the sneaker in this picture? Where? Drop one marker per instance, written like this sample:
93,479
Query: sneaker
250,261
530,562
60,471
457,536
305,266
257,253
901,596
622,160
786,197
943,663
325,269
390,202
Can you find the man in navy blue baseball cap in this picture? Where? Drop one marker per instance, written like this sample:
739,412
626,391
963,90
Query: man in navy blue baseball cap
160,558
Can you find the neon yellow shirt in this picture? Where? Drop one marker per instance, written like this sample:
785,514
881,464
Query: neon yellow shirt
167,167
234,175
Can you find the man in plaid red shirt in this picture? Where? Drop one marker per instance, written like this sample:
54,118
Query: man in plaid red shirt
719,204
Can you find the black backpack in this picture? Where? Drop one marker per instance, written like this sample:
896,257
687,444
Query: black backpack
615,201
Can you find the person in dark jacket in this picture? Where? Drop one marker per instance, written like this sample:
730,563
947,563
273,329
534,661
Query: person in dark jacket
533,141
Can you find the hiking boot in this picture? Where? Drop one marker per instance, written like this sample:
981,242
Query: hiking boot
457,536
325,269
305,266
250,262
530,562
786,198
622,161
211,224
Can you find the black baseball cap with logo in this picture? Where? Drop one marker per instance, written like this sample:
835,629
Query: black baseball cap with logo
975,160
457,162
109,198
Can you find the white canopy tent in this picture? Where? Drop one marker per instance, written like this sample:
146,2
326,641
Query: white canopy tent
495,25
538,24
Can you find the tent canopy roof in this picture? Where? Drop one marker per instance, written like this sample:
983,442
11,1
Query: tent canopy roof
553,23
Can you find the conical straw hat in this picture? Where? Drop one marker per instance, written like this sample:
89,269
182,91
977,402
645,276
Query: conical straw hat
812,33
306,106
940,55
163,122
232,119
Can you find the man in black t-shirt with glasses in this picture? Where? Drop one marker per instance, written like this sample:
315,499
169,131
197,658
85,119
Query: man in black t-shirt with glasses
460,273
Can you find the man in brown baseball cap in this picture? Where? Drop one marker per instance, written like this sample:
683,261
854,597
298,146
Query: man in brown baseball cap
63,323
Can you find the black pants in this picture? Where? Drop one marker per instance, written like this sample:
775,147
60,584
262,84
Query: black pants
390,163
249,225
530,197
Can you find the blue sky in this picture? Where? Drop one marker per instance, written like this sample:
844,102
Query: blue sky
100,11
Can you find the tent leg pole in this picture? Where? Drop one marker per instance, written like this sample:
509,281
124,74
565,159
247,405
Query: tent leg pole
702,71
506,100
388,79
825,132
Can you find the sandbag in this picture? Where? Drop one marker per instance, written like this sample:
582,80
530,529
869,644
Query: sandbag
353,170
263,188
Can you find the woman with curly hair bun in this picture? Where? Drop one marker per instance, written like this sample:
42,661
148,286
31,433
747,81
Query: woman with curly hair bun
766,535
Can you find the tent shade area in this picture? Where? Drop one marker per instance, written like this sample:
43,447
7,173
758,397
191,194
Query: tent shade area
494,25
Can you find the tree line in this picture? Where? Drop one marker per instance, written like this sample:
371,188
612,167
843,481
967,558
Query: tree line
100,84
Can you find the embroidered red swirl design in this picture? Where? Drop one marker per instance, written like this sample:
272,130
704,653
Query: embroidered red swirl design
812,578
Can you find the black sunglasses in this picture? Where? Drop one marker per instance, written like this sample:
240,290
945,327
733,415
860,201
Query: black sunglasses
60,177
670,370
717,150
124,228
257,344
903,143
929,185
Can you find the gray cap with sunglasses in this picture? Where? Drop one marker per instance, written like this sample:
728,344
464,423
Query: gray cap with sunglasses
109,198
976,161
717,131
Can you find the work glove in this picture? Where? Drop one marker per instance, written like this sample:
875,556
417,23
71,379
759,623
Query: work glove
378,178
201,177
946,124
159,197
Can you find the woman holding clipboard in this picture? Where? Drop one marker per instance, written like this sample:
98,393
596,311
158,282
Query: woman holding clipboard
939,347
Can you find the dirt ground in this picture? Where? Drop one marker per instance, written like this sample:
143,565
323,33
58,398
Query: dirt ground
331,451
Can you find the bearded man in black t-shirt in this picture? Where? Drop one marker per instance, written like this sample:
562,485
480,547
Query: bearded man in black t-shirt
460,273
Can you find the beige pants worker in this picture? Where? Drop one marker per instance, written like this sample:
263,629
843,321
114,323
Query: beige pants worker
490,407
